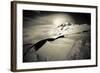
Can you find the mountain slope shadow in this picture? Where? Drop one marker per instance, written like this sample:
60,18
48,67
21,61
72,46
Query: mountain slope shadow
39,44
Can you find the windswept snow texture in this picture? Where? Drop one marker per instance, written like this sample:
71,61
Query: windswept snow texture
56,36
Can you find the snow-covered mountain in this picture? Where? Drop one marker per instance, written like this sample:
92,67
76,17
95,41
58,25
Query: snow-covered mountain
67,29
75,44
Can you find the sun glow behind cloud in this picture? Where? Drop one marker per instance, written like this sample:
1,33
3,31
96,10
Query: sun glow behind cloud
62,18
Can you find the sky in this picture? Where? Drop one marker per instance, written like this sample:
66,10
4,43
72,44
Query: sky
38,25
